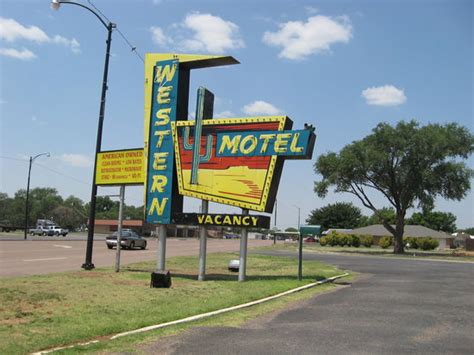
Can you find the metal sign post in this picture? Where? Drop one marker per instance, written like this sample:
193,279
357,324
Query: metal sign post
243,250
203,244
300,258
160,265
204,109
119,229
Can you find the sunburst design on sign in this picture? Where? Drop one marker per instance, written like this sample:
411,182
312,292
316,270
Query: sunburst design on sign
241,180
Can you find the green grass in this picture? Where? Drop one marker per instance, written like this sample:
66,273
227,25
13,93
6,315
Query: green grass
39,312
374,250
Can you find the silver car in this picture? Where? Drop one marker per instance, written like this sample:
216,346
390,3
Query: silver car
128,240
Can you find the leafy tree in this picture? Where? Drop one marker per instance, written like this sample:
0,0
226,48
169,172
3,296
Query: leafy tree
337,215
5,207
43,201
67,217
408,164
385,213
291,229
469,231
440,221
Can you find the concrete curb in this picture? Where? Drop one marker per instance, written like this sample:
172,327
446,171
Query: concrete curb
199,316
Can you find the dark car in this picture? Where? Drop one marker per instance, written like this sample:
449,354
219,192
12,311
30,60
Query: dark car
310,240
128,240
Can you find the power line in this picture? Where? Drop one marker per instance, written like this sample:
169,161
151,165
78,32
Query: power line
132,47
47,168
60,173
11,158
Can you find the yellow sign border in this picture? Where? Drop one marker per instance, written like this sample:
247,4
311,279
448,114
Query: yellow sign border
281,120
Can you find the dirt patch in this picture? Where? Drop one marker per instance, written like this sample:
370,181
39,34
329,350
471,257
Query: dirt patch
14,321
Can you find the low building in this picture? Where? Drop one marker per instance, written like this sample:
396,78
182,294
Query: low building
378,231
107,226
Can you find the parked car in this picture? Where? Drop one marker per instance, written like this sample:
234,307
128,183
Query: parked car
128,240
40,230
310,240
48,230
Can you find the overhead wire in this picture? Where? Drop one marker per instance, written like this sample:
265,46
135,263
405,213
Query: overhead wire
132,47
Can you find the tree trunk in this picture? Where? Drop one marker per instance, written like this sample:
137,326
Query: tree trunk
398,247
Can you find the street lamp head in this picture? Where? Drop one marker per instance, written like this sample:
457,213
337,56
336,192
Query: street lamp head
55,4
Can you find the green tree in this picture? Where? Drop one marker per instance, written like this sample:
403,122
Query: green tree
385,214
440,221
5,207
469,231
67,217
408,164
337,215
291,229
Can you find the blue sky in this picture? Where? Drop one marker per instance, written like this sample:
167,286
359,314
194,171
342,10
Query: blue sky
343,66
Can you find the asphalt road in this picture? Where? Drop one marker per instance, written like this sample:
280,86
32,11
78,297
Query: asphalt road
42,255
394,307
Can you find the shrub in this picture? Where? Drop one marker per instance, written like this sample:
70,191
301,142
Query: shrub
367,241
385,242
332,239
355,240
323,241
427,243
343,239
412,241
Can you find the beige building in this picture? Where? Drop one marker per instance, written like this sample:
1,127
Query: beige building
446,241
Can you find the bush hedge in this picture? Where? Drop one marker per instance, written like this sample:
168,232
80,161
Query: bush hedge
427,243
339,239
385,242
367,241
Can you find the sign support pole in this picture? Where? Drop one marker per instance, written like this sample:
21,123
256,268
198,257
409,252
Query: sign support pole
160,265
119,229
300,257
203,244
243,250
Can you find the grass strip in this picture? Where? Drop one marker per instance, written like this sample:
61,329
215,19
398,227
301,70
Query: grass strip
39,312
374,251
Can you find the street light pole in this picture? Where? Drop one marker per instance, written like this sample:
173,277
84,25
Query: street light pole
27,206
55,4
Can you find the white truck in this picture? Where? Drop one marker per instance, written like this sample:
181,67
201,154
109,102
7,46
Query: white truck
49,231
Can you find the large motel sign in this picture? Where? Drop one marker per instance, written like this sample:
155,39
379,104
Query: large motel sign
233,161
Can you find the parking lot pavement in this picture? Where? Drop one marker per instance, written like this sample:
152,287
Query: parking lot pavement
58,254
394,307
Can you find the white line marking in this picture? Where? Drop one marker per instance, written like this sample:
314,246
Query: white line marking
62,246
47,259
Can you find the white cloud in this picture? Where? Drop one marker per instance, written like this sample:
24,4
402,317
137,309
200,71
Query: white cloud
77,160
73,44
158,36
300,39
23,54
224,114
211,33
12,31
311,10
387,95
261,108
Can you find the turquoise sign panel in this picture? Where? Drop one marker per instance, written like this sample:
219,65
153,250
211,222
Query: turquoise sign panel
160,150
263,143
